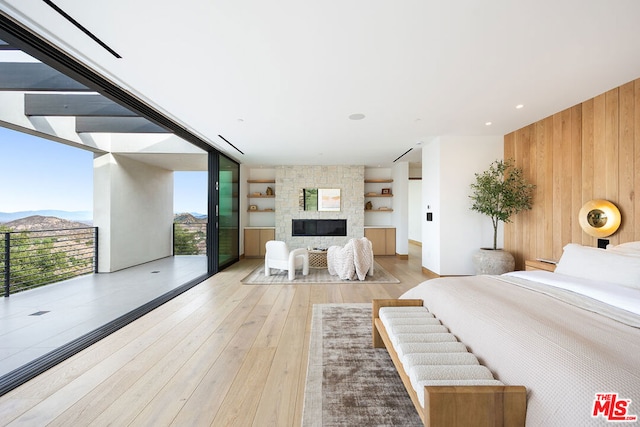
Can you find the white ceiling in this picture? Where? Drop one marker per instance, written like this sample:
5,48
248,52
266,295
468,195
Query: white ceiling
279,79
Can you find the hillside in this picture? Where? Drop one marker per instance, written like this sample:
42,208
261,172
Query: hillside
39,222
187,218
79,216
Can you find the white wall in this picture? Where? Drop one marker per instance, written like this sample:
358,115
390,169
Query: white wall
456,232
133,210
416,216
431,203
400,175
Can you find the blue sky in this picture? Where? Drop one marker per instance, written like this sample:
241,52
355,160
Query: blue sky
37,174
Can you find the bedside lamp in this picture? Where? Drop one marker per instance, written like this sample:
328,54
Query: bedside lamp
599,218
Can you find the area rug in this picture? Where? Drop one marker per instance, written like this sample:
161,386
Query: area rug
349,383
316,275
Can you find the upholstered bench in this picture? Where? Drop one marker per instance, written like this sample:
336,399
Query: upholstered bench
447,384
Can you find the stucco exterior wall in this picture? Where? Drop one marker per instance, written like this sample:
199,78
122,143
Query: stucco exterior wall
133,210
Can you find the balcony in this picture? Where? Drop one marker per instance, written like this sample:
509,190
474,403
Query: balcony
40,323
33,258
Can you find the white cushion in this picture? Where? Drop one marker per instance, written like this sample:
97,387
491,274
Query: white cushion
458,358
600,265
386,315
398,339
629,248
420,373
390,323
405,309
415,329
405,349
422,320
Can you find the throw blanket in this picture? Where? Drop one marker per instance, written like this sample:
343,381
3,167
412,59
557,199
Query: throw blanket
352,261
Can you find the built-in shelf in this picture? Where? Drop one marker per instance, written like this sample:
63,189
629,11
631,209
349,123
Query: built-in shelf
261,206
374,181
378,210
378,195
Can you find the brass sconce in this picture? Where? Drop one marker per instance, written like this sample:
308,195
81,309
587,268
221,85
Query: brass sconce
599,218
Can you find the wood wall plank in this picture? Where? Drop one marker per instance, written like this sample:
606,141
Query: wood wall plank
585,152
626,160
587,158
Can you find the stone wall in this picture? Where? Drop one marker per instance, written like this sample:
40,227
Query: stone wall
291,179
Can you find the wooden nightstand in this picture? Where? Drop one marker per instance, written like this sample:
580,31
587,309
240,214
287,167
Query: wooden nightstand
531,264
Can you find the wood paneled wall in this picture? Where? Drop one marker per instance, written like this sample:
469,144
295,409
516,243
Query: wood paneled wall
589,151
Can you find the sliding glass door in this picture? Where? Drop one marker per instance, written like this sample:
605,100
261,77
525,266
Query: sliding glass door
224,223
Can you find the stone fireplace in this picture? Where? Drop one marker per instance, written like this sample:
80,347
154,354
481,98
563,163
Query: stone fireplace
291,179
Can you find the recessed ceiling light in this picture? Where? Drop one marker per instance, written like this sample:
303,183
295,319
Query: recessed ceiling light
488,123
519,106
356,116
419,143
240,120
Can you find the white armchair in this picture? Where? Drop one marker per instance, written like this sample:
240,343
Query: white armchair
278,256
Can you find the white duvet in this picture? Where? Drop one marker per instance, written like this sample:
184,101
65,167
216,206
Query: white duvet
620,296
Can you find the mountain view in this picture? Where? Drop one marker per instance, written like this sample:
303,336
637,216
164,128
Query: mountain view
39,222
56,219
85,217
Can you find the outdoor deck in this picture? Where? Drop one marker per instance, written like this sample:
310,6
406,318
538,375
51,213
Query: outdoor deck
40,320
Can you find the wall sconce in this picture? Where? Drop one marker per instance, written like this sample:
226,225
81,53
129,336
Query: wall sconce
599,218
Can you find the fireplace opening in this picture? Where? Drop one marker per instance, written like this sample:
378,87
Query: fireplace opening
319,227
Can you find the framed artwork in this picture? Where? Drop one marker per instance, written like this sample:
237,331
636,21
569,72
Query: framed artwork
329,199
386,191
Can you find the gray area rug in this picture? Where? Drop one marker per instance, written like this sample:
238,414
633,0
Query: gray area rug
349,383
316,275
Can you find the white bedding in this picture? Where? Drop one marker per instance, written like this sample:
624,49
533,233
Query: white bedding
564,347
610,293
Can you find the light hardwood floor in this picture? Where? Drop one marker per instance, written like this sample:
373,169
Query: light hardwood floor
221,354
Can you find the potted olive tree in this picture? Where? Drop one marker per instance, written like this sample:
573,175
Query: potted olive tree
499,192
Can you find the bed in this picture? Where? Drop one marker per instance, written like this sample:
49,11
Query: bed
566,336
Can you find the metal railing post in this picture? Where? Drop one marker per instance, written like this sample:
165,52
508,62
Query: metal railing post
95,250
7,263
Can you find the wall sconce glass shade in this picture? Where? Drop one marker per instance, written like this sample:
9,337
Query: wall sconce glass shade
599,218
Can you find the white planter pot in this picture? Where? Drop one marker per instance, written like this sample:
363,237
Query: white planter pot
490,261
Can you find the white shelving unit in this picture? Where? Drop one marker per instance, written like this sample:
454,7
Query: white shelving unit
260,205
380,193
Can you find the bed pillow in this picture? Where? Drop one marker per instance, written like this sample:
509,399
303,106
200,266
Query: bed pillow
629,248
599,264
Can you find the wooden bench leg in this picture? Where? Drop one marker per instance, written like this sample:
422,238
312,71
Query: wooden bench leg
466,406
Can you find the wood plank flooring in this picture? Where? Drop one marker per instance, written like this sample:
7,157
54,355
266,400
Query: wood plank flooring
221,354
